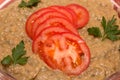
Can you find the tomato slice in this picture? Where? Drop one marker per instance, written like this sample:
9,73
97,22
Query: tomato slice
31,19
67,12
55,21
82,14
64,51
46,32
44,17
74,16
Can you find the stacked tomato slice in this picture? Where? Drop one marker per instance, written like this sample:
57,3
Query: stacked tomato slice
56,40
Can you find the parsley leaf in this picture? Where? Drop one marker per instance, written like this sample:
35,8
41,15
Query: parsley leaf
95,31
22,4
29,4
22,60
18,52
17,56
111,31
6,61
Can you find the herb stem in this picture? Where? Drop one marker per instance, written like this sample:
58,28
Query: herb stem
103,37
17,56
110,30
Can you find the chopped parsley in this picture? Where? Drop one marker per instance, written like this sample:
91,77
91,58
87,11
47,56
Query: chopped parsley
29,4
17,57
110,28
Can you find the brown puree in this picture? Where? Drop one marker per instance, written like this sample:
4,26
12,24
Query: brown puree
105,57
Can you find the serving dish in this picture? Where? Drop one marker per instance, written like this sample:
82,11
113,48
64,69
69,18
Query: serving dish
104,55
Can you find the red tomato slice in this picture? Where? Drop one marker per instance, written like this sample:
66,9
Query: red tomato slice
46,32
55,21
31,19
82,14
64,51
41,19
74,16
66,11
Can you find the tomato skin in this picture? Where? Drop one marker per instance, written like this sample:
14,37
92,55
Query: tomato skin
50,30
31,19
67,12
82,14
43,35
55,21
70,13
79,69
62,59
74,16
56,39
44,17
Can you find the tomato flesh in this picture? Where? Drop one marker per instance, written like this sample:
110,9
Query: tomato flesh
63,10
66,52
55,21
82,14
48,31
56,39
31,19
40,20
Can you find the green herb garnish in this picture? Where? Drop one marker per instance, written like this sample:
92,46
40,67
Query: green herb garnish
95,31
111,31
29,4
17,56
